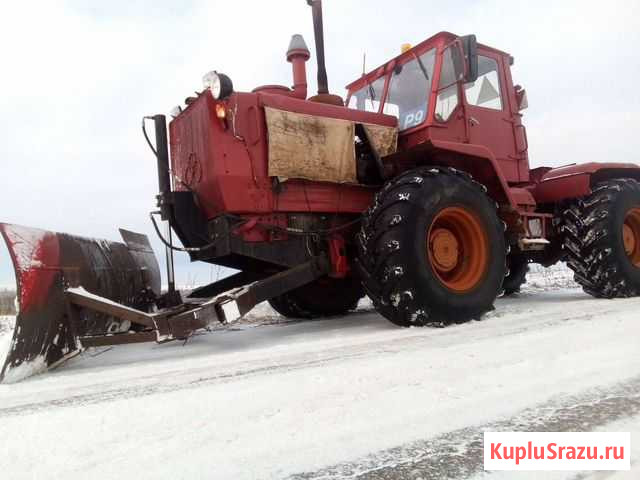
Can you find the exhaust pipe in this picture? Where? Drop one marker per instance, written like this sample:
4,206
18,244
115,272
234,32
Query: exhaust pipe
318,31
323,95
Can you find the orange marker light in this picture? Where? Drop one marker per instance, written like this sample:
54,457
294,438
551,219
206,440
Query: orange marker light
221,111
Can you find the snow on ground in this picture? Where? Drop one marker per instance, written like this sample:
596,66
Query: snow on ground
556,276
269,398
7,324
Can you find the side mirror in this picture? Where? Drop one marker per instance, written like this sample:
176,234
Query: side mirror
470,52
464,54
521,97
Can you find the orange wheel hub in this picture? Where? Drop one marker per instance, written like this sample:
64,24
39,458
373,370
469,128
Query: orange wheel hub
458,249
631,236
445,249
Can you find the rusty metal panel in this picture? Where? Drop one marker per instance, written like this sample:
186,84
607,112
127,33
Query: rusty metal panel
310,147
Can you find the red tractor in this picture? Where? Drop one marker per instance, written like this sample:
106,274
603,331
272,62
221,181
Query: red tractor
415,191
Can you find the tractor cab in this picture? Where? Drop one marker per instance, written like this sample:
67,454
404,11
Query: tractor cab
449,88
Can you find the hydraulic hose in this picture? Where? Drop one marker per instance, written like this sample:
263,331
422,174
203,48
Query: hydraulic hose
173,247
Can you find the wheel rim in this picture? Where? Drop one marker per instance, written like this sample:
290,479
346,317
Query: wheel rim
631,236
458,249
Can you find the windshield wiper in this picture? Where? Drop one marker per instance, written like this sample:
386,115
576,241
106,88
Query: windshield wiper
424,70
372,93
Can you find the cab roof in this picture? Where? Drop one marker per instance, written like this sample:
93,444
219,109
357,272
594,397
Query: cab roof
437,39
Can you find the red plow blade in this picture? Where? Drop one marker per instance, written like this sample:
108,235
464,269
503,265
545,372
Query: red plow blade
46,264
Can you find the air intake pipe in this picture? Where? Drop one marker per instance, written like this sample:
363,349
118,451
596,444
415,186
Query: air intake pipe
298,54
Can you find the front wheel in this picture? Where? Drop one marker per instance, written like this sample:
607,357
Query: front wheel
432,249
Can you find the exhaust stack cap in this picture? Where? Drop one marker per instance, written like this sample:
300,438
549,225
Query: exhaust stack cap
298,46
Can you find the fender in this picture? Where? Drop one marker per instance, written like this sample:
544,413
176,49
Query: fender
574,181
480,161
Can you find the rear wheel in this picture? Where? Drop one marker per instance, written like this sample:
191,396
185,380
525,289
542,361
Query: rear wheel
432,249
601,237
322,298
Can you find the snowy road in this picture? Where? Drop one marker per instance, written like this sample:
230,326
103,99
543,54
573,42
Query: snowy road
342,398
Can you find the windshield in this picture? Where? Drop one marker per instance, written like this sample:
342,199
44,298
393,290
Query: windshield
368,97
408,96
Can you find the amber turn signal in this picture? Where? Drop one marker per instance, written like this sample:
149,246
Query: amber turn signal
221,111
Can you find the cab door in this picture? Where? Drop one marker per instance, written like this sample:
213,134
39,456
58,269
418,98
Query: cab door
488,113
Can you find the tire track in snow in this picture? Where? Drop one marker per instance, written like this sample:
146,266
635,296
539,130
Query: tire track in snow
459,453
158,388
190,379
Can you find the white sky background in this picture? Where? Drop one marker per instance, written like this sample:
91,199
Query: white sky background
78,76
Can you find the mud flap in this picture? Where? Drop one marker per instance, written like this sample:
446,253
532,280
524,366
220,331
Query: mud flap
46,263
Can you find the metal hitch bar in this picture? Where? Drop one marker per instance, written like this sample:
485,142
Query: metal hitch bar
181,321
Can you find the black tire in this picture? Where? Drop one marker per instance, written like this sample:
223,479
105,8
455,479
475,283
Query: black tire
325,297
393,259
518,266
591,229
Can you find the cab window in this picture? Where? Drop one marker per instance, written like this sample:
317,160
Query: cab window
368,97
485,91
409,88
447,99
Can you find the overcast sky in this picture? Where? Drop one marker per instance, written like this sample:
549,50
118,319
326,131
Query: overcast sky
77,77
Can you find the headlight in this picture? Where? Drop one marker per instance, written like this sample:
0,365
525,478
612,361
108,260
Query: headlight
219,84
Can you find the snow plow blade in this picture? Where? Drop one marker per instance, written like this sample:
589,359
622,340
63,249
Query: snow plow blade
76,293
46,264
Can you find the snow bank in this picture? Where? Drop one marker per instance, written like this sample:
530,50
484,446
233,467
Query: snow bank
7,324
558,276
